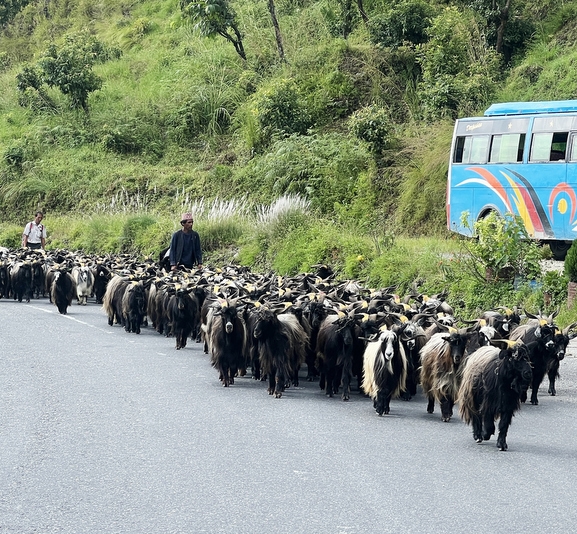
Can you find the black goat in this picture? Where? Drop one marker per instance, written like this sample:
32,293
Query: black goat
384,369
561,340
21,281
493,381
316,312
413,339
539,336
4,280
227,340
280,343
336,343
62,288
134,306
38,279
101,277
182,312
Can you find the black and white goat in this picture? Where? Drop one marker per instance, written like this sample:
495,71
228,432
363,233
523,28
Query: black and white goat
384,369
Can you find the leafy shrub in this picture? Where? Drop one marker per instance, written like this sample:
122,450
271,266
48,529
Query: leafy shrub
404,21
322,168
571,262
501,248
460,71
279,111
373,126
10,235
14,156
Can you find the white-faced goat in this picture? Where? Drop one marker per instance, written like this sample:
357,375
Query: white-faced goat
84,279
384,369
494,379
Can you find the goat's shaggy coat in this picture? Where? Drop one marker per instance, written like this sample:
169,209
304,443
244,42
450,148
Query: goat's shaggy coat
540,340
112,300
336,344
62,290
21,281
227,340
384,370
182,312
493,381
281,346
134,306
84,279
441,370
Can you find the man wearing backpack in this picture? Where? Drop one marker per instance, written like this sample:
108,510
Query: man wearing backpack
34,235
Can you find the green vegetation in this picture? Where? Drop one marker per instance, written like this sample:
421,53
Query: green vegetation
115,117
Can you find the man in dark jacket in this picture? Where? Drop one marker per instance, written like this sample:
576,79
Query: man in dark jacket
185,248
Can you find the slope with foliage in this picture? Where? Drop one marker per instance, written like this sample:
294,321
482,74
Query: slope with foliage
145,107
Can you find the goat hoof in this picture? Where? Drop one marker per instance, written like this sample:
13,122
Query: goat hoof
446,418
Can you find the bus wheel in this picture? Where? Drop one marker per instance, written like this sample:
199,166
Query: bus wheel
559,249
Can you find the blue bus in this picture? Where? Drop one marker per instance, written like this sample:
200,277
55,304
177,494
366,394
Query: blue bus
519,158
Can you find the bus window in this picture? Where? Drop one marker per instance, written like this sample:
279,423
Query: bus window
559,146
549,146
507,148
573,153
471,149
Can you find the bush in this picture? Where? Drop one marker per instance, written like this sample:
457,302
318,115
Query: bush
374,126
279,111
571,262
500,249
405,21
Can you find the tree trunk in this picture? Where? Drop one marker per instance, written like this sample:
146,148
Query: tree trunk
362,12
272,11
503,18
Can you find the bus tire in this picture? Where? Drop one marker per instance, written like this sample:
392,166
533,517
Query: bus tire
559,249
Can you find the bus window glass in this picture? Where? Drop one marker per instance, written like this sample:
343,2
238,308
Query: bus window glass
573,153
507,148
459,149
479,145
558,146
541,146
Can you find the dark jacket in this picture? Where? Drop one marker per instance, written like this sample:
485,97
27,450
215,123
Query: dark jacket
177,246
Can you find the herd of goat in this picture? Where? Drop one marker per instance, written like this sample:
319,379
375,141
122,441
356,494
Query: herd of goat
346,334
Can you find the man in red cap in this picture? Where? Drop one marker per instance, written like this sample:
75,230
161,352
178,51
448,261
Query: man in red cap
185,248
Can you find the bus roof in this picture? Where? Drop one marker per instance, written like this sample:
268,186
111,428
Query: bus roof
531,108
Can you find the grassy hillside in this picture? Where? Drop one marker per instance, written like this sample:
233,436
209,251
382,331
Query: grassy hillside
353,126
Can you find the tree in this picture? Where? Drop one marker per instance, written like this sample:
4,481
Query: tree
509,28
69,68
215,17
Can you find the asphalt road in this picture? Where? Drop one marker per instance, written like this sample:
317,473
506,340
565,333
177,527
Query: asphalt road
105,431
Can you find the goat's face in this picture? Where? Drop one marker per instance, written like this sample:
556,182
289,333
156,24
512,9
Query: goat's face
520,368
457,343
388,340
560,347
264,321
345,327
228,318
